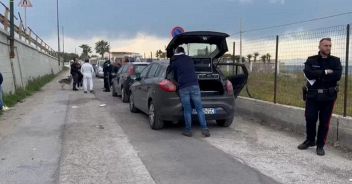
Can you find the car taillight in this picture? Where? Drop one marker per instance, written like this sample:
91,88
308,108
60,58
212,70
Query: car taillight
229,88
167,86
131,71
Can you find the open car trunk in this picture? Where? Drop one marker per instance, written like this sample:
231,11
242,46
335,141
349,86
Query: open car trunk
210,84
206,47
211,87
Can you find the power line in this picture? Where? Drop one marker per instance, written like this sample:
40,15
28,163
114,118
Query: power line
297,22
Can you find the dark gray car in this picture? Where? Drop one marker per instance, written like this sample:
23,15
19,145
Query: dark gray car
124,78
155,92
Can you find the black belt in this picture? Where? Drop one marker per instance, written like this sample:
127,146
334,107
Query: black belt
321,91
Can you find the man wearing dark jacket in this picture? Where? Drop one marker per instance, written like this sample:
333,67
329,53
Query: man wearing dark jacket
107,69
185,75
323,72
75,72
1,100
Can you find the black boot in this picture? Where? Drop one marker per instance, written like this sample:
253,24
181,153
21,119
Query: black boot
305,145
320,151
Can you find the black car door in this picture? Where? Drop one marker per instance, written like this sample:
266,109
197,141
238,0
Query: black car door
138,86
236,73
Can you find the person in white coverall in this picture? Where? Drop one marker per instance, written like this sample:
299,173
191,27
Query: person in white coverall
88,73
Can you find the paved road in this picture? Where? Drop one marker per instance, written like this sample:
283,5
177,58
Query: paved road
173,158
61,136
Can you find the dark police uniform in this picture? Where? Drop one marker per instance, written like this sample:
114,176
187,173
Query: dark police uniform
75,72
107,69
321,95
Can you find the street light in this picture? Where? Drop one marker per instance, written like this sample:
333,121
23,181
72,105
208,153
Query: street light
58,31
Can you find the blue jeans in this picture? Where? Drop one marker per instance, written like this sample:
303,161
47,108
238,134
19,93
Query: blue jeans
187,94
1,101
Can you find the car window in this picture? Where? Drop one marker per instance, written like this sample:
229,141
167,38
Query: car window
145,72
153,70
120,70
161,72
139,68
125,69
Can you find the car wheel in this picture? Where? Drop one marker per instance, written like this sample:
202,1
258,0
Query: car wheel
224,122
132,107
154,119
113,91
124,95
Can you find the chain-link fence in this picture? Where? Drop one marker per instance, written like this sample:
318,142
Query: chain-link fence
283,84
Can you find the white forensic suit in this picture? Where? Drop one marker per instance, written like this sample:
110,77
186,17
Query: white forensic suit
88,73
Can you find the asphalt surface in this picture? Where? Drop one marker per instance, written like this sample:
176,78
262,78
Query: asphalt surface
61,136
173,158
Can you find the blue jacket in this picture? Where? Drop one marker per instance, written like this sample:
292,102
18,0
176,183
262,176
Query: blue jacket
184,71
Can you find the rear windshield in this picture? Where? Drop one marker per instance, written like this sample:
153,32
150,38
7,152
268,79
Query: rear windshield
139,68
200,50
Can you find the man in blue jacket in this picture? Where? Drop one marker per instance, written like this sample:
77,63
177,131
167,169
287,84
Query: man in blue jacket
1,101
184,72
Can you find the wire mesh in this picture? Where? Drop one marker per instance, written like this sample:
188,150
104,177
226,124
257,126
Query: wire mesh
259,56
293,50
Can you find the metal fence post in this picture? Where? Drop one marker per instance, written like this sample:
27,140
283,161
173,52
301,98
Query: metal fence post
346,70
233,58
276,68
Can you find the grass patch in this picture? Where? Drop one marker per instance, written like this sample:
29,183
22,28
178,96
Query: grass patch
261,86
33,86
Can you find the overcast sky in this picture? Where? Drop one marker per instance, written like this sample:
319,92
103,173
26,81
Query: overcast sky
144,25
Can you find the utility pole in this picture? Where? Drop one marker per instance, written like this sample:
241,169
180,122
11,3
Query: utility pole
63,45
241,40
58,31
63,40
12,30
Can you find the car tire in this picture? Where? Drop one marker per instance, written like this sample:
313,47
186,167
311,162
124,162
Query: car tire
224,122
113,91
124,96
154,120
132,107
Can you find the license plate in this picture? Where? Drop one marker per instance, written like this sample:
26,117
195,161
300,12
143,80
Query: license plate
205,110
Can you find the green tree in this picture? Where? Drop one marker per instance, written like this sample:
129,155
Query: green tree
68,56
101,47
255,55
263,58
249,57
268,56
237,58
243,59
86,50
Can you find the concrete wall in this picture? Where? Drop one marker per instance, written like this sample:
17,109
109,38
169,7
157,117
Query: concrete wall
293,119
29,63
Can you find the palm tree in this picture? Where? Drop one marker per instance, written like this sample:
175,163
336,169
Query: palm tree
102,47
243,59
237,58
86,51
256,54
249,57
268,56
263,58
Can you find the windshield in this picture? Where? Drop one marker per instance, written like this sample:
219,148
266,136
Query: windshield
200,50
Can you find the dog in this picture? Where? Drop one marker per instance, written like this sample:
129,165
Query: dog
66,81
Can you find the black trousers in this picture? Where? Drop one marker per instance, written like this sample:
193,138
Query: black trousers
75,77
107,81
322,110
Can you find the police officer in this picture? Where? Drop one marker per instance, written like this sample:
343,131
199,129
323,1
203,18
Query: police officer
323,72
75,72
107,69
